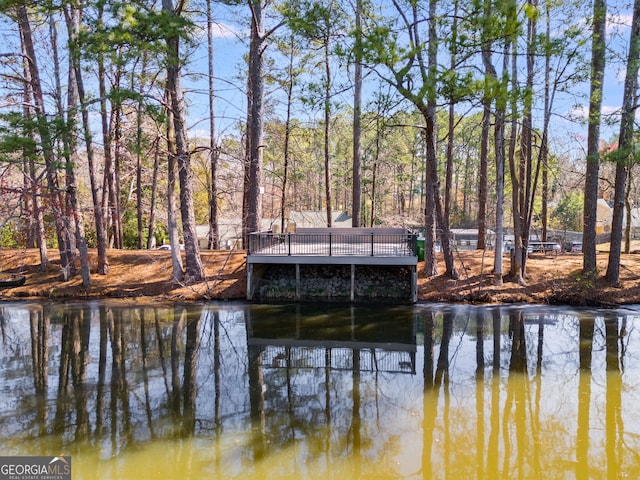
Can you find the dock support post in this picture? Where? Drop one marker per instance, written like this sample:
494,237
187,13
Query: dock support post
352,293
414,284
250,281
297,281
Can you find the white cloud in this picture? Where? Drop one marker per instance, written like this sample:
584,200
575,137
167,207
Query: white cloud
618,21
581,112
609,110
222,30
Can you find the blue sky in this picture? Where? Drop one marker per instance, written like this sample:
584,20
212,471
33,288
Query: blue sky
618,31
231,44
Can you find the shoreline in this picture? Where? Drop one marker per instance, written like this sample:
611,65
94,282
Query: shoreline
145,275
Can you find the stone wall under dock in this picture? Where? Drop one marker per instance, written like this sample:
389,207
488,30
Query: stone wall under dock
334,283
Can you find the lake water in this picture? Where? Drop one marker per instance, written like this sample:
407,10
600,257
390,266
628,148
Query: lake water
232,390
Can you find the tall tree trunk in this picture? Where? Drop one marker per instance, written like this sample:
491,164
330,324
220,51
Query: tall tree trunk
483,173
102,234
194,271
214,236
68,140
32,177
627,207
75,99
544,147
287,134
140,79
442,220
520,245
172,210
73,20
448,183
499,145
483,185
151,240
116,135
500,148
434,211
625,146
430,265
598,60
55,200
432,189
327,131
529,179
374,169
490,75
357,119
108,183
252,210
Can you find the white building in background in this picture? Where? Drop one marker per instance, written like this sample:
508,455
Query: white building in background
230,228
604,215
604,218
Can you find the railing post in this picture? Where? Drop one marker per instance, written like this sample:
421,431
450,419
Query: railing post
372,244
330,243
289,243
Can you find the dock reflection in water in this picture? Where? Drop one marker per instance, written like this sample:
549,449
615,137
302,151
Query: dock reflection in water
311,391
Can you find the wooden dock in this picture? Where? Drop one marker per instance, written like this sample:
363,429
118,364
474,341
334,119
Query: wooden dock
358,249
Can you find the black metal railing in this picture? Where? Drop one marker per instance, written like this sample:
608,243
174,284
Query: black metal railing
345,242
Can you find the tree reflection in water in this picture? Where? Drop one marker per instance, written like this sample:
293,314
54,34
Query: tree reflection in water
585,346
613,411
39,331
239,390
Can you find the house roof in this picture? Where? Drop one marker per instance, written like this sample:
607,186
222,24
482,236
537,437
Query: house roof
230,228
318,218
468,232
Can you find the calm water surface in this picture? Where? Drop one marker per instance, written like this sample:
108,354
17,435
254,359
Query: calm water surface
230,390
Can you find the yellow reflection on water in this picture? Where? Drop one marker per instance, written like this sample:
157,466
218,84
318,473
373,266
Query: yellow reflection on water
195,394
195,459
500,428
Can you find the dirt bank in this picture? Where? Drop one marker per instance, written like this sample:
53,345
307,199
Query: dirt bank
146,275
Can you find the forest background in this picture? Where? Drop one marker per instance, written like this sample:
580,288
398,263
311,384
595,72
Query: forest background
125,123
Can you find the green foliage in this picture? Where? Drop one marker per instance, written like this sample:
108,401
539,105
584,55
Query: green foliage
161,232
90,235
585,283
10,236
131,39
309,18
458,86
568,212
16,135
629,155
19,135
135,25
380,46
130,229
531,11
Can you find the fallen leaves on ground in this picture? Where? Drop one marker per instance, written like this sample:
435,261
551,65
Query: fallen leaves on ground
147,274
